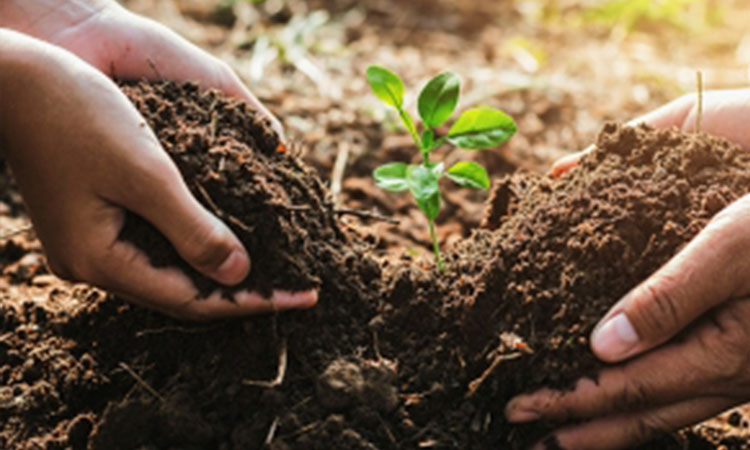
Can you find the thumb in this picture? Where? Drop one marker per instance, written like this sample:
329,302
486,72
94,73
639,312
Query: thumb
707,272
200,238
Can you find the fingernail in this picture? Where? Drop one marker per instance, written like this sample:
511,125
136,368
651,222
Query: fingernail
295,300
234,269
614,340
521,416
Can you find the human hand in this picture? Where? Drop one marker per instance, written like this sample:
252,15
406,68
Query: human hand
683,335
124,45
82,155
723,115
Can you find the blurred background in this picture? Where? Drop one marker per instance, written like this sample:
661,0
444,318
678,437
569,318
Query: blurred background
561,68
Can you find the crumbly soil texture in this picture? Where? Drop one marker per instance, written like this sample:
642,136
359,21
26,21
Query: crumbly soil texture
396,355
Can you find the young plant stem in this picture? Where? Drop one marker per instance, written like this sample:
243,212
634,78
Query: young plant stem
409,124
435,245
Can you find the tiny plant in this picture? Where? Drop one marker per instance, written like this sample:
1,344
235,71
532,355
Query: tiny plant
476,129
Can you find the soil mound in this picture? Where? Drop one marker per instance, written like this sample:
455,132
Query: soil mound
395,355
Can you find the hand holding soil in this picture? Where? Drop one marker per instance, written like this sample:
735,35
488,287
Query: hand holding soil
684,330
723,113
83,155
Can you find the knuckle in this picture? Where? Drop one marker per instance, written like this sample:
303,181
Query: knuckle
208,246
725,340
649,425
657,308
633,396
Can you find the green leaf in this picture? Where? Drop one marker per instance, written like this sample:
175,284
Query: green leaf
392,177
438,99
430,206
423,183
469,174
386,85
482,127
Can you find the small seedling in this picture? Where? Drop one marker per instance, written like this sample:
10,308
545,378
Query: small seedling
476,129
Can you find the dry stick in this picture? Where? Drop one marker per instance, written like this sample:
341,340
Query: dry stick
474,385
174,328
337,174
301,430
699,116
16,231
141,381
272,431
219,212
268,384
290,207
367,215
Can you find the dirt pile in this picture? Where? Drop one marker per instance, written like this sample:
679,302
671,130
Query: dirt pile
396,355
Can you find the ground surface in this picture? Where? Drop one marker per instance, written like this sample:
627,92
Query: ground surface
75,364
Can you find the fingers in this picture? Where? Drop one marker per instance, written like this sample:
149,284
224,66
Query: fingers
169,291
709,270
626,430
568,162
639,384
205,242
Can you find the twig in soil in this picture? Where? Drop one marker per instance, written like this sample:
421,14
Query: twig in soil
214,122
388,431
15,232
141,381
474,385
366,214
699,115
219,212
290,207
337,174
175,329
376,345
269,384
272,431
302,430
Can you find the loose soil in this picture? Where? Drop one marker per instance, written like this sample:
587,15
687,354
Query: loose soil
396,354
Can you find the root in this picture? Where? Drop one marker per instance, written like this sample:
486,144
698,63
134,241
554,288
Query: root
140,381
219,212
474,385
174,329
270,384
272,431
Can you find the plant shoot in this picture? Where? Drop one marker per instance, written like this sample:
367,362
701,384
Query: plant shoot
475,129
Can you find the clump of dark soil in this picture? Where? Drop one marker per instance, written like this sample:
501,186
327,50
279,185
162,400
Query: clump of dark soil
395,355
239,169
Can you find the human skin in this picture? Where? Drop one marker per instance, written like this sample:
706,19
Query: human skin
661,383
82,155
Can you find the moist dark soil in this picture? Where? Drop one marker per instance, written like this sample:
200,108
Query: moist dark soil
396,355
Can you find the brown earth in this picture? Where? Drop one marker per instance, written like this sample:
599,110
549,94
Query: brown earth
396,354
